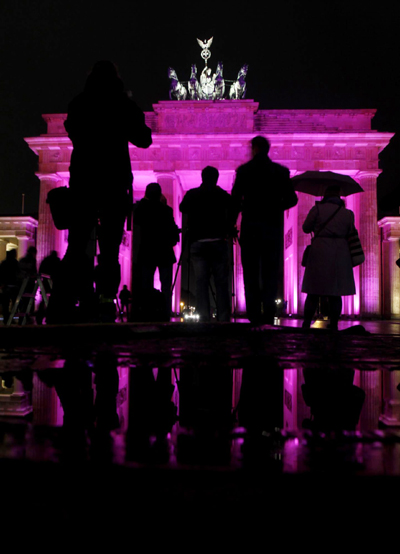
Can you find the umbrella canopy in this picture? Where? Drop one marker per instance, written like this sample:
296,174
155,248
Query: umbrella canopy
316,182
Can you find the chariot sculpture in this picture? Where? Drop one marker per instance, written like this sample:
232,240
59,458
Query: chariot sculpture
210,86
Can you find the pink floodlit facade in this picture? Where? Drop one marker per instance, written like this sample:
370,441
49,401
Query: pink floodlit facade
189,135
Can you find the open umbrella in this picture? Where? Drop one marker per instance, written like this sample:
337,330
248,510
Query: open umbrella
316,182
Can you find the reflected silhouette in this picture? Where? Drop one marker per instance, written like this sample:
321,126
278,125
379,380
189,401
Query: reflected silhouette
151,413
334,401
260,407
88,396
205,415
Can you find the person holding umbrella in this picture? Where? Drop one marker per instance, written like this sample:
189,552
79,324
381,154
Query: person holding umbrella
329,268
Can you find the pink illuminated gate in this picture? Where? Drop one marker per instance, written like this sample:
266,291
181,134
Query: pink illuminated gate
189,135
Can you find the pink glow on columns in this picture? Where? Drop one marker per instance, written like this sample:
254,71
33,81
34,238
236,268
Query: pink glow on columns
240,299
290,289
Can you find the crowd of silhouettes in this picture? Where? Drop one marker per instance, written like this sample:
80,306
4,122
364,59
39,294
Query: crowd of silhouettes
101,122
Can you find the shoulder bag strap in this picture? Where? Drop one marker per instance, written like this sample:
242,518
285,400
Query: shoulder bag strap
327,221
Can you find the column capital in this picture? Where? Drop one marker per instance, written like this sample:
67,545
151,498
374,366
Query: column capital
368,173
390,227
54,177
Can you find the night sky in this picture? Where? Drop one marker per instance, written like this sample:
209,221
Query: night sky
301,55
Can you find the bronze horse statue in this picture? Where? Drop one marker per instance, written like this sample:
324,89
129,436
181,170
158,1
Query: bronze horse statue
238,88
193,85
176,90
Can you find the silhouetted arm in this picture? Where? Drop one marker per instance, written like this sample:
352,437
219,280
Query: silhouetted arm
186,203
289,198
138,132
237,194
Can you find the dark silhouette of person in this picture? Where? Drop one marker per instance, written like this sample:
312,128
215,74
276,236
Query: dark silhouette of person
151,410
49,267
329,269
28,270
260,406
88,414
101,122
158,234
209,212
335,402
28,264
262,191
9,282
125,298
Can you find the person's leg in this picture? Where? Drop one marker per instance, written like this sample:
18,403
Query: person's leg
250,244
202,272
251,279
335,308
110,232
310,307
220,270
166,285
75,275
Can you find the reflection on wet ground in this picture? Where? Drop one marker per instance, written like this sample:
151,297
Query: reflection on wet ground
191,413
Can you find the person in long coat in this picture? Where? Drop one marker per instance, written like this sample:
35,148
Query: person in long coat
262,191
329,270
102,121
158,234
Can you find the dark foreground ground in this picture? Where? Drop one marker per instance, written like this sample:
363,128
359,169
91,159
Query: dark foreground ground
165,426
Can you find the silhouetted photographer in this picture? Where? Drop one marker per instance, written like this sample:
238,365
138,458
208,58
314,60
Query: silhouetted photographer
101,122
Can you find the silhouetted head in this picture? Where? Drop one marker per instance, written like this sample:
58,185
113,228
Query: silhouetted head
209,175
32,251
153,191
332,190
259,145
104,76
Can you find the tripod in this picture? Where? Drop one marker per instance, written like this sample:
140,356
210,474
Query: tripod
184,241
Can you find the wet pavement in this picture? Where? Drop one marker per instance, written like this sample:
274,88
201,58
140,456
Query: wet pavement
179,415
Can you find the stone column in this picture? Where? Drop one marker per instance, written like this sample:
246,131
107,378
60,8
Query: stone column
390,273
369,236
3,249
176,200
172,190
305,203
48,237
239,297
